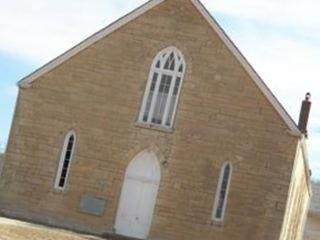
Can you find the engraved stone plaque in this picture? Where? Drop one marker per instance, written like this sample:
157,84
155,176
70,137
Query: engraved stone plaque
92,205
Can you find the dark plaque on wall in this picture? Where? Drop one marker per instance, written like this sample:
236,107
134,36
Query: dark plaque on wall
92,205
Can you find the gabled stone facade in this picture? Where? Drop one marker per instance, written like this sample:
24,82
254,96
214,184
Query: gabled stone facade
222,116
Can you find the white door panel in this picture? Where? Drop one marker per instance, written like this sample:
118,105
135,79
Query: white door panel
138,197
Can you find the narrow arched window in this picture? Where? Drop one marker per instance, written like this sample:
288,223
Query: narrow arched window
222,193
163,88
65,160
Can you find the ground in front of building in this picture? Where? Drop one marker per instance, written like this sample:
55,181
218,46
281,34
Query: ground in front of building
17,230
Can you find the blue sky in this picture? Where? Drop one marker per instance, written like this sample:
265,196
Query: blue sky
280,38
11,69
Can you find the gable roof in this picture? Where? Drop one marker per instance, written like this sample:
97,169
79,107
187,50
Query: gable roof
28,80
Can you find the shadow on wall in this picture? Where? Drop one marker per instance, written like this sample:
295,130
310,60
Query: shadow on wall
1,160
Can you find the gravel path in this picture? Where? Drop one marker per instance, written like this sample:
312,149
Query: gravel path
18,230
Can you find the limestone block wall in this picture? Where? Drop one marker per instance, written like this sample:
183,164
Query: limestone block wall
298,200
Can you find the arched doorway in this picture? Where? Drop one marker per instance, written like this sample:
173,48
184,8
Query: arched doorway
138,196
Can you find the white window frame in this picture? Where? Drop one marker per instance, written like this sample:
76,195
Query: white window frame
217,196
175,74
62,160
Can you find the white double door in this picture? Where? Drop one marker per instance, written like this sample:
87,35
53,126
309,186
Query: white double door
138,198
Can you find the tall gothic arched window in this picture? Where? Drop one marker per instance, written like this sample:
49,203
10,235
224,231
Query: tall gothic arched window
65,160
222,193
163,88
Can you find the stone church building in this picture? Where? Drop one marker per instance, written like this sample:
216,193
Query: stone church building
156,127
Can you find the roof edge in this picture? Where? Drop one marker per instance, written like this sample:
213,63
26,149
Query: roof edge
27,81
294,130
305,154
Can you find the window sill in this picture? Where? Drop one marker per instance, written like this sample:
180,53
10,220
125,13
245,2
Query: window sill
217,223
154,127
59,190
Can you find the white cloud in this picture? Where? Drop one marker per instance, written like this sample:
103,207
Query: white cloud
279,37
40,30
302,13
288,63
289,67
